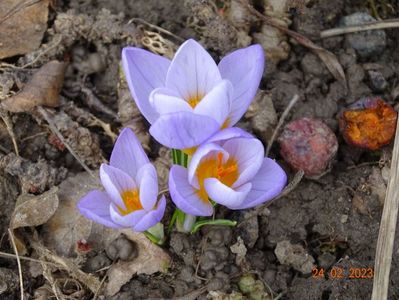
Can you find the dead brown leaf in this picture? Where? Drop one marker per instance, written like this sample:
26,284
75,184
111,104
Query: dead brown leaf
42,89
32,210
151,259
67,226
22,25
63,231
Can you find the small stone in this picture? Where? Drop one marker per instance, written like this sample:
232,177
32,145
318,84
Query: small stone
344,219
122,248
294,256
326,260
377,81
96,263
366,43
308,144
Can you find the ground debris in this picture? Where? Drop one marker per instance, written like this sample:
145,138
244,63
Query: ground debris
22,25
262,116
42,89
217,32
69,27
80,139
294,256
34,177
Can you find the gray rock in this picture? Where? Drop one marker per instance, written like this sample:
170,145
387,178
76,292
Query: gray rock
294,256
377,81
122,248
326,260
366,43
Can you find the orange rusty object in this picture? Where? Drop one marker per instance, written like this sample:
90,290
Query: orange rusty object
369,124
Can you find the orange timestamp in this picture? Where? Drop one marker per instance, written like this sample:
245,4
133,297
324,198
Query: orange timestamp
343,273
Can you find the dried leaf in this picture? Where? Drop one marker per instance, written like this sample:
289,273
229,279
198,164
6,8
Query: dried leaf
68,226
22,25
151,259
42,89
34,210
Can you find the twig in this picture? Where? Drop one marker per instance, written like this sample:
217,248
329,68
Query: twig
281,122
99,288
9,255
54,129
21,281
393,23
386,235
328,58
7,121
160,29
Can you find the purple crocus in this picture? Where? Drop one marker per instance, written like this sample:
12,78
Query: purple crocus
131,189
190,98
232,172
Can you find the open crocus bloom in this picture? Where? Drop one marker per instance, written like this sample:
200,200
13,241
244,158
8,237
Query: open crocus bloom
190,98
131,189
231,172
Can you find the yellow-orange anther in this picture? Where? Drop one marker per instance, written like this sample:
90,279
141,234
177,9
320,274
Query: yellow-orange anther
214,167
132,202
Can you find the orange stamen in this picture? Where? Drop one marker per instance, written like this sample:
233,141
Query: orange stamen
131,200
214,167
195,99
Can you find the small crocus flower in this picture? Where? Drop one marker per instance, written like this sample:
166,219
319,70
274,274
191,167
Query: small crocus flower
232,172
131,189
190,98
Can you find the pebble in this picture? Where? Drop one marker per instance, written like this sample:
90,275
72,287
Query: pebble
96,263
294,255
308,144
326,260
122,248
377,81
366,43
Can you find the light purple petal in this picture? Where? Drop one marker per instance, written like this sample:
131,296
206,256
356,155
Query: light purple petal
249,154
128,154
193,72
203,152
183,129
224,195
267,184
129,220
228,133
185,196
217,103
148,182
95,206
166,101
115,183
144,72
151,218
244,69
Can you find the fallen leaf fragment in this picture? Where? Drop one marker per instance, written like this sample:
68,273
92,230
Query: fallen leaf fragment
34,210
67,226
151,259
43,89
22,25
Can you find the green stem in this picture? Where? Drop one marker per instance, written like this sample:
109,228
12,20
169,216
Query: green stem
222,222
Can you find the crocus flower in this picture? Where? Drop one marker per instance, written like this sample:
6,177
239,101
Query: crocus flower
230,172
190,98
131,189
